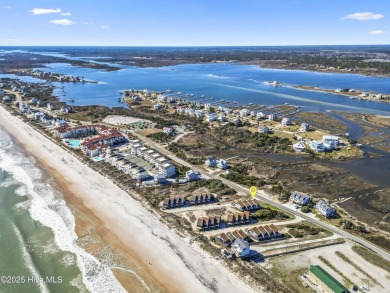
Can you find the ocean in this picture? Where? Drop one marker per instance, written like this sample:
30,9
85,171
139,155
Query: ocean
39,251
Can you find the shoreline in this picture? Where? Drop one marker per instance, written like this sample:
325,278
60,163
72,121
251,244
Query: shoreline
353,95
129,229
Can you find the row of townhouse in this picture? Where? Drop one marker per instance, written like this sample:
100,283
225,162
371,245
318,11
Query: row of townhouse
163,165
247,205
203,198
175,202
229,237
208,222
123,164
264,232
191,112
238,218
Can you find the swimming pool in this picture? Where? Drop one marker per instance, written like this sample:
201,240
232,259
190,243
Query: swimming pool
74,142
97,159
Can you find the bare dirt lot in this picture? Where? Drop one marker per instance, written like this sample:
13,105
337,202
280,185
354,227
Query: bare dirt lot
353,268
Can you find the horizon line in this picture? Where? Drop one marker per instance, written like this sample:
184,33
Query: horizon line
194,46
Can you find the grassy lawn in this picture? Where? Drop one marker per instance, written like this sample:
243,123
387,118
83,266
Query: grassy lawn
347,152
283,135
315,134
332,221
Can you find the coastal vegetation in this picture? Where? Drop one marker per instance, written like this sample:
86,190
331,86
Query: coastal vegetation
160,137
268,213
302,229
239,174
372,257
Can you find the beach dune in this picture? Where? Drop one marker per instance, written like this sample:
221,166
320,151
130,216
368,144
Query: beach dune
168,260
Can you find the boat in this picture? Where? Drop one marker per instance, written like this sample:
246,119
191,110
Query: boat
71,100
235,102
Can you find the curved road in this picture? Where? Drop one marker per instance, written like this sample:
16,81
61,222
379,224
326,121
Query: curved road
264,197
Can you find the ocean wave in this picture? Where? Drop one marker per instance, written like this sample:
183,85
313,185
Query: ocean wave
258,81
29,262
51,211
218,76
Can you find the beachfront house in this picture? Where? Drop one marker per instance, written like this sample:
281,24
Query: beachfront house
211,162
317,146
222,164
260,115
7,99
59,122
168,130
50,107
271,117
286,121
304,127
245,112
331,139
136,98
241,248
160,179
167,169
33,101
65,109
263,129
325,209
299,198
157,106
222,118
237,122
191,175
212,117
299,146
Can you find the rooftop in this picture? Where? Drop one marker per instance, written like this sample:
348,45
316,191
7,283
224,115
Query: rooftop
327,279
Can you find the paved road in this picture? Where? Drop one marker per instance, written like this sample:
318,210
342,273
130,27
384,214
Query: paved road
263,196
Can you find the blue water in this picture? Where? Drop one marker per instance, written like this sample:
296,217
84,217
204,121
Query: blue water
74,142
234,82
97,159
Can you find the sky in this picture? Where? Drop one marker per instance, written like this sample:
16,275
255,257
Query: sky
193,22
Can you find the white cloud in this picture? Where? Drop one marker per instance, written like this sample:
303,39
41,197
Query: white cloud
62,21
364,16
66,14
7,7
377,32
105,27
40,11
87,23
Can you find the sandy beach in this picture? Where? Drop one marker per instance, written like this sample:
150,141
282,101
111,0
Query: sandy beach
159,260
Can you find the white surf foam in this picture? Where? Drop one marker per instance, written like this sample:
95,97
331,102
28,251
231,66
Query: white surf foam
29,262
53,213
218,76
